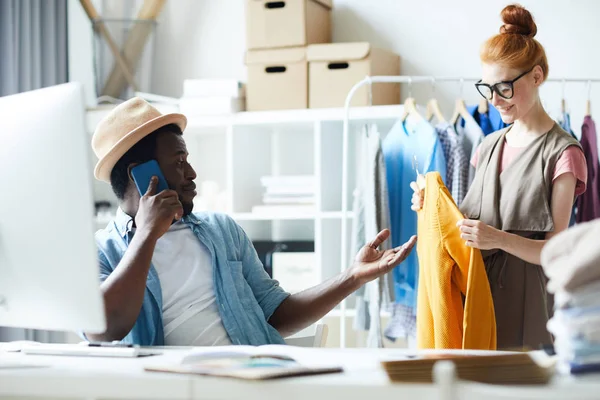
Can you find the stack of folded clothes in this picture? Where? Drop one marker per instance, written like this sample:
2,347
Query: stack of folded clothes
571,260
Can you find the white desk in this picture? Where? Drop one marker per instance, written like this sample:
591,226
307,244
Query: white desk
91,378
364,379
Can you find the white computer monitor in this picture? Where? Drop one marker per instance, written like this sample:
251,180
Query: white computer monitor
48,258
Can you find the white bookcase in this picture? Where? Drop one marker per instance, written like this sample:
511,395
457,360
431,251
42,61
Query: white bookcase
236,151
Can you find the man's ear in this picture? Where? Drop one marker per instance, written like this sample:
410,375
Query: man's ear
129,168
131,185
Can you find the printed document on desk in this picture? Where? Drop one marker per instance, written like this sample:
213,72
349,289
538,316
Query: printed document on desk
249,362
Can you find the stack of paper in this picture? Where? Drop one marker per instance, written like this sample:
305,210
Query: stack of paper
287,194
506,369
203,97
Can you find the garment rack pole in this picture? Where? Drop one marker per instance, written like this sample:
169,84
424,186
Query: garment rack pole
369,80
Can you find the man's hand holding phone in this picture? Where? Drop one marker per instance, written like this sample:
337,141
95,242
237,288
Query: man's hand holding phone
157,211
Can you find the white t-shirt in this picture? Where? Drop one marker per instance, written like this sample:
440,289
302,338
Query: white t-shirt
185,270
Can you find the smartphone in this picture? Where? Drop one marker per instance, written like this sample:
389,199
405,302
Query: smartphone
144,172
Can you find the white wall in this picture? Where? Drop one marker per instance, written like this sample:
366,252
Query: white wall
206,39
198,39
437,37
80,45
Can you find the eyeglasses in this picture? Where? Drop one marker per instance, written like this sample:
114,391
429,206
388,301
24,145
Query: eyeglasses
505,89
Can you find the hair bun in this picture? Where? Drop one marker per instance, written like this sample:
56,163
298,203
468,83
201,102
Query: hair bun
517,20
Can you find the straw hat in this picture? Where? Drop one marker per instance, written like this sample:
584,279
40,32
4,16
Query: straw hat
127,124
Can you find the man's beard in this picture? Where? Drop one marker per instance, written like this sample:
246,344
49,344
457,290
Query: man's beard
187,207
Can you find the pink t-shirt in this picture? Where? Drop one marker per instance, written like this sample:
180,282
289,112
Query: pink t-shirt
571,160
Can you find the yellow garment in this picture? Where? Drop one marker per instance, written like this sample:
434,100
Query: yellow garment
448,271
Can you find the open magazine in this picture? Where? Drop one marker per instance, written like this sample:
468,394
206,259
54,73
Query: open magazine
249,362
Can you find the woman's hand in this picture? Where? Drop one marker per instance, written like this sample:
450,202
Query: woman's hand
417,197
480,235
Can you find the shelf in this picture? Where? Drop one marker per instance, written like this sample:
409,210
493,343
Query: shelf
250,118
209,121
351,313
293,116
336,215
260,217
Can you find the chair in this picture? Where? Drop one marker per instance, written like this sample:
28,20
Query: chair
317,338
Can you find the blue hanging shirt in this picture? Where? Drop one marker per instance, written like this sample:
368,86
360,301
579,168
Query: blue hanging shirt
489,122
405,140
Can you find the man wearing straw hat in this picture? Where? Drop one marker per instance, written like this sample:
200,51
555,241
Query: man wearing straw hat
173,277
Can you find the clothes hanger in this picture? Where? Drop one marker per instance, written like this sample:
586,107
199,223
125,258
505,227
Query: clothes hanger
410,106
421,182
410,109
460,108
588,102
483,106
433,110
433,107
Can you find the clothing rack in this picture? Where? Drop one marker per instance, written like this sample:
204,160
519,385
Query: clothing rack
369,80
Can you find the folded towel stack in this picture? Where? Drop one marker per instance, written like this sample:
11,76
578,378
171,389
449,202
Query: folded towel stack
571,260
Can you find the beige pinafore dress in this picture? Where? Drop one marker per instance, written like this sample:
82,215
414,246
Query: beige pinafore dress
517,201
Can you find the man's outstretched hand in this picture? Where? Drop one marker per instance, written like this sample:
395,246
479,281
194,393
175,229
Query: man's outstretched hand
371,263
305,308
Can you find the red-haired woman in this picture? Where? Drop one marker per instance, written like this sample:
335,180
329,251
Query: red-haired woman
527,178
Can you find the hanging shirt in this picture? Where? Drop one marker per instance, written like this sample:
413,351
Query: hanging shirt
403,324
588,205
471,136
565,122
457,165
448,271
408,139
371,215
490,121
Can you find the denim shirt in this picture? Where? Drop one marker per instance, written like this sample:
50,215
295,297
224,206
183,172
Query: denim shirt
406,140
245,294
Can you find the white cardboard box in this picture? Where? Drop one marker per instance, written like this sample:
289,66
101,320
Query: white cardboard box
289,23
335,67
277,79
